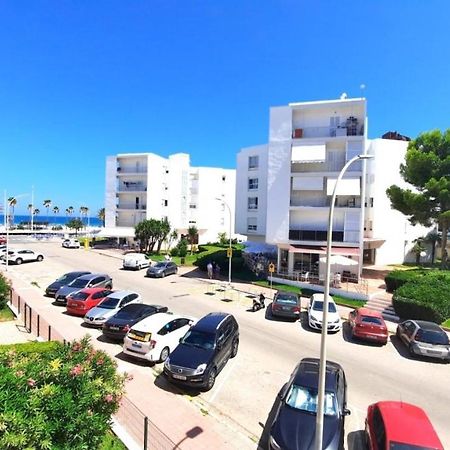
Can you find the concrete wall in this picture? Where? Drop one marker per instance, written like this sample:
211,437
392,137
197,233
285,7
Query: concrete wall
110,191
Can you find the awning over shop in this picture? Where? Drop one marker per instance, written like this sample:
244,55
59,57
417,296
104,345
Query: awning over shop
308,153
371,243
345,251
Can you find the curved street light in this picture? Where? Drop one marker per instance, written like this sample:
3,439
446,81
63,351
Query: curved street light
323,339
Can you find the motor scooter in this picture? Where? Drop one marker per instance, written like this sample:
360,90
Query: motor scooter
258,303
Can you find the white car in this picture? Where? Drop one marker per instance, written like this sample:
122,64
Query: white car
136,261
112,303
155,337
18,256
315,313
71,243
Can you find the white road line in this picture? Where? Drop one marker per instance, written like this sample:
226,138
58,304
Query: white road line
224,379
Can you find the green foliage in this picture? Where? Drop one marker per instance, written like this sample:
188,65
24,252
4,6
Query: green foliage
30,347
222,238
75,224
425,298
174,251
4,291
151,232
219,255
61,398
111,442
182,248
427,167
398,278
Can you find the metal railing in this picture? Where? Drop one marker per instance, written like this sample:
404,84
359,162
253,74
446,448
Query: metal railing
314,132
137,425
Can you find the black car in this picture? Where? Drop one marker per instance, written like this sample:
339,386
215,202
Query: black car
286,304
203,351
117,326
294,426
162,269
63,281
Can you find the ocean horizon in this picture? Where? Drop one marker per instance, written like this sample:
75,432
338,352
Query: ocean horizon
57,220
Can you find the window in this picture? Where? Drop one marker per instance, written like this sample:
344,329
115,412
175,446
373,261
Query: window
252,203
222,221
252,184
192,206
224,177
165,202
252,224
253,162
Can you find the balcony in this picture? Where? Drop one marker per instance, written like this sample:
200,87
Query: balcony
131,170
131,206
308,235
328,132
324,202
131,187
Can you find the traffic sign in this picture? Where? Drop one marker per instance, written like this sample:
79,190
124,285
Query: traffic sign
229,252
271,268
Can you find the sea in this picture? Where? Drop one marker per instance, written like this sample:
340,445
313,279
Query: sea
57,220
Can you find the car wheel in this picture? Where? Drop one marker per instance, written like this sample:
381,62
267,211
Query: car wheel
235,347
163,274
410,349
164,354
19,261
108,286
211,379
39,258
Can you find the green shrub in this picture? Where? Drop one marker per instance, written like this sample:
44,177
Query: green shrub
61,398
220,257
398,278
182,248
425,298
174,251
4,291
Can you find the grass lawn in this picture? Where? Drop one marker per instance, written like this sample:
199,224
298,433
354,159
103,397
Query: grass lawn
112,442
446,324
340,300
6,314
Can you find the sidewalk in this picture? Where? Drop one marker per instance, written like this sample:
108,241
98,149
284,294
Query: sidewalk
171,412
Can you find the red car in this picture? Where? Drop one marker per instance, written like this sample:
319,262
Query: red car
79,303
368,325
399,425
2,240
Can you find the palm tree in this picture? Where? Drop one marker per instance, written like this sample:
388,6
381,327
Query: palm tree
12,201
30,210
55,210
433,238
192,234
101,215
70,209
47,204
84,211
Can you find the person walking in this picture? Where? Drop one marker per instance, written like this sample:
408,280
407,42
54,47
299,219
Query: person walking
216,271
209,269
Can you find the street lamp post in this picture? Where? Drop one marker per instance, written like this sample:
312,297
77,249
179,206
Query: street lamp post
229,247
323,339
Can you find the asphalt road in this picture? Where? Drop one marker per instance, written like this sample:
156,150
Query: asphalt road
246,389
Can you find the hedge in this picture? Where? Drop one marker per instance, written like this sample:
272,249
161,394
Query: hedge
398,278
220,258
425,298
4,291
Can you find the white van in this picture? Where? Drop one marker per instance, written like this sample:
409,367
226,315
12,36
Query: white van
136,261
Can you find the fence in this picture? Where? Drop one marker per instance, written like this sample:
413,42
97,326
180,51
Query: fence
137,425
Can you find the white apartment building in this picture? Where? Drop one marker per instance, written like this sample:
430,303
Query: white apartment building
283,189
145,185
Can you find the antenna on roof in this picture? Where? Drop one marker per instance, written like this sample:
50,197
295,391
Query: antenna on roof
362,87
343,96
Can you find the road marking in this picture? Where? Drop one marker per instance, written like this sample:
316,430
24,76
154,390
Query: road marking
220,386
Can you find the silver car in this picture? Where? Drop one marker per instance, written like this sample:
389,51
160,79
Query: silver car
424,339
97,316
85,281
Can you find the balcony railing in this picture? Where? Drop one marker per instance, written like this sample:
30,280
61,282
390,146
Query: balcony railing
132,188
131,206
325,202
323,132
307,235
128,170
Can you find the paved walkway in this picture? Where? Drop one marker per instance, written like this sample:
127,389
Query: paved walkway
13,332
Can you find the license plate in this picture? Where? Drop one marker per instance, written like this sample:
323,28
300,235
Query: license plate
179,377
134,344
114,328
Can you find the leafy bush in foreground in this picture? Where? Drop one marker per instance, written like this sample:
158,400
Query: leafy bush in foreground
59,399
4,291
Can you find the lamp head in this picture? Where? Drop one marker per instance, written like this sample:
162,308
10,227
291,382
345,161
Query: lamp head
365,156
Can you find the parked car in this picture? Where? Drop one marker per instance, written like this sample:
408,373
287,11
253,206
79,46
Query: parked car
2,239
115,301
136,261
315,313
424,339
19,256
71,243
117,326
203,351
286,304
368,325
162,268
79,303
85,281
63,281
155,337
294,425
399,425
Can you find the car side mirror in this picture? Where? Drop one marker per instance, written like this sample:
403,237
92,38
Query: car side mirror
347,412
179,340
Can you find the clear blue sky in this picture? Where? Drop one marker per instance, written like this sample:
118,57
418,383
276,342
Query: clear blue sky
80,80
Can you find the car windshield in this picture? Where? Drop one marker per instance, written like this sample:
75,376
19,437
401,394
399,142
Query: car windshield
305,399
160,265
401,446
77,283
371,320
318,306
110,303
79,296
432,337
287,299
199,339
129,313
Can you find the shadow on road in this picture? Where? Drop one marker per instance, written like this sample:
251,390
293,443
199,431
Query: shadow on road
264,439
269,316
403,351
136,361
356,440
347,335
162,383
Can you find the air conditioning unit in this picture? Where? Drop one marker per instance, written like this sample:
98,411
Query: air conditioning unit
298,133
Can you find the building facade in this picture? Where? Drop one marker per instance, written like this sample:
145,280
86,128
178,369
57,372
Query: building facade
284,189
145,185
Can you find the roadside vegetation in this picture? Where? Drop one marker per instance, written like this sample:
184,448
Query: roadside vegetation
5,312
55,396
